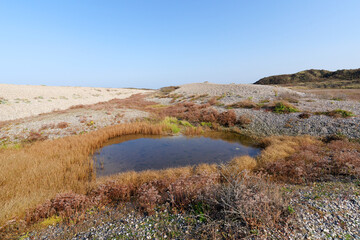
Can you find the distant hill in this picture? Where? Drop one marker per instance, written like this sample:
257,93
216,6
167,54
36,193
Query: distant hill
316,79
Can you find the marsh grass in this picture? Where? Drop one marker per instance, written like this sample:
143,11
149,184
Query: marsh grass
38,171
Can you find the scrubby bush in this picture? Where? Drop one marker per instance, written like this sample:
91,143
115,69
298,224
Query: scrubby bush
338,113
185,191
244,104
197,113
148,197
227,118
112,192
64,205
304,115
212,101
62,125
318,163
244,120
35,136
289,97
283,107
252,200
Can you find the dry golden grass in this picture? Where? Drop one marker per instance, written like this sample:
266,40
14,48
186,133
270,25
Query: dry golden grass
194,131
136,179
239,164
36,172
280,147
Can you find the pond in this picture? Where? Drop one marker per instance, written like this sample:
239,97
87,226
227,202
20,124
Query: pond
144,152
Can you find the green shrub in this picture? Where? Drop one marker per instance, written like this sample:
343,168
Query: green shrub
207,124
337,113
342,113
172,123
185,123
50,221
282,107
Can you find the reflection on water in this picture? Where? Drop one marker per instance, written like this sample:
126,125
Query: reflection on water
143,152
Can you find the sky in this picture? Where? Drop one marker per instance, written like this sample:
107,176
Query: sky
156,43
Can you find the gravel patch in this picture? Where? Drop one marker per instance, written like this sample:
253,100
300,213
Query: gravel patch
326,211
112,224
256,92
265,123
72,122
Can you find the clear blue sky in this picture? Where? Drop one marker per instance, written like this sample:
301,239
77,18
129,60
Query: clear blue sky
159,43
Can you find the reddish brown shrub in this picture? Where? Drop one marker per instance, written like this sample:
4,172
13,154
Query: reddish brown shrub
208,115
212,101
62,125
111,191
35,136
191,112
199,113
227,118
148,197
185,191
304,115
77,106
47,126
65,205
252,200
318,163
244,120
245,104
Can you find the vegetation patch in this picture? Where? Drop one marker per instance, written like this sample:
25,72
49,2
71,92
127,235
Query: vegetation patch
337,113
60,165
320,162
304,115
3,100
283,107
51,221
171,123
197,113
245,104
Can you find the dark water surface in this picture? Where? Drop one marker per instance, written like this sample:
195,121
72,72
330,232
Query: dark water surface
143,152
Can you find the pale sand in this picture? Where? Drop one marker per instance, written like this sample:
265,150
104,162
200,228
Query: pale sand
19,101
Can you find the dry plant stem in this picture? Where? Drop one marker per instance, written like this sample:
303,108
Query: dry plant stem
250,199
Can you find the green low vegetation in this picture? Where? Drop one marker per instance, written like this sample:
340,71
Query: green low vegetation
337,113
207,124
172,123
281,107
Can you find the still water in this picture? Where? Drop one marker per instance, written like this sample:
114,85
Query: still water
143,152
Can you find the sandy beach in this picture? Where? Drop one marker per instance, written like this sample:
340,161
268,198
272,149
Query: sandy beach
19,101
